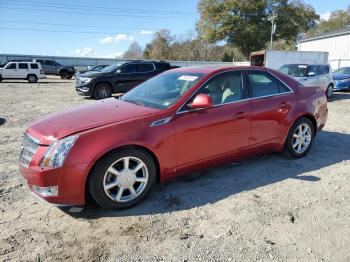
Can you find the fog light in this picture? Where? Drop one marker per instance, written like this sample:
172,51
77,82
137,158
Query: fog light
46,191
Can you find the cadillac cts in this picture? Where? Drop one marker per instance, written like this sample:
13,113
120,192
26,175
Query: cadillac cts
185,119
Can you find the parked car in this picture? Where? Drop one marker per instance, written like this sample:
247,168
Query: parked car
312,74
118,78
30,71
342,79
179,121
4,63
96,68
51,67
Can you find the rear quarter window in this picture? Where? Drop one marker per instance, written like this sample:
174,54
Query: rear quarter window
34,66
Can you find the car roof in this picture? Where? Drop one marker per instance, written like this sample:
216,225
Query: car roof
214,69
306,64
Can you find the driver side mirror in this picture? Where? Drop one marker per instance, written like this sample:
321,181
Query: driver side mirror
201,101
311,74
118,71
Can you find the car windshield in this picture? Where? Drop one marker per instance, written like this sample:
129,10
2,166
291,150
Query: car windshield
2,64
343,70
163,90
294,70
110,68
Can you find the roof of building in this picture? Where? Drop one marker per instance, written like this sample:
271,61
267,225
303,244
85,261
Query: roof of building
338,32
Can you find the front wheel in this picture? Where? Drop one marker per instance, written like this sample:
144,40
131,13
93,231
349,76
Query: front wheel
299,139
329,91
122,179
102,91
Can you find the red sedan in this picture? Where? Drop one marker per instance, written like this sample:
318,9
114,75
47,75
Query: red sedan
182,120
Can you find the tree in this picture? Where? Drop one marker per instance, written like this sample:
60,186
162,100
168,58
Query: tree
245,23
338,19
159,48
134,52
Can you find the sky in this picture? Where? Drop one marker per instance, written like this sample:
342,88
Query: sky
103,28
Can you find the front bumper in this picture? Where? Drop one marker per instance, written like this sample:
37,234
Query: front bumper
43,178
84,90
340,86
59,186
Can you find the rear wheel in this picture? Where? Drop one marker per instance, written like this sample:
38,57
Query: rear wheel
299,139
102,91
64,74
32,78
329,92
0,78
122,179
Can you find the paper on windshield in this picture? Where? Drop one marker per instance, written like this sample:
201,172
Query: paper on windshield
187,78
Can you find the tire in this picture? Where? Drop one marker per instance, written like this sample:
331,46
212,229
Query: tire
329,91
64,74
0,78
111,190
32,78
291,146
102,91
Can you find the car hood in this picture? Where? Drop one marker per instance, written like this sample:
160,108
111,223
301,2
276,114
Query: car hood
92,74
81,118
340,76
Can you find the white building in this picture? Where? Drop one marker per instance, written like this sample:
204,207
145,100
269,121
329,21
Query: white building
336,43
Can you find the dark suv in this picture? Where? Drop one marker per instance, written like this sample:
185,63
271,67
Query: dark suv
51,67
118,78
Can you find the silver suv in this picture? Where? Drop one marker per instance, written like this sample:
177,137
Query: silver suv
312,74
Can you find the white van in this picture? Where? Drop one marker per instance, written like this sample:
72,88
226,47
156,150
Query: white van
31,71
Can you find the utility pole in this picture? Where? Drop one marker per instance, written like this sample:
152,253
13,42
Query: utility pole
273,27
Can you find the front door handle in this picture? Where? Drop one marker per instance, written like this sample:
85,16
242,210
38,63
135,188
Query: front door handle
240,115
285,106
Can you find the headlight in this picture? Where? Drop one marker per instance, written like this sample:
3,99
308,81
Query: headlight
57,152
85,80
344,80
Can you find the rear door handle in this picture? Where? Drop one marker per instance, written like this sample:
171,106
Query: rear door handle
240,115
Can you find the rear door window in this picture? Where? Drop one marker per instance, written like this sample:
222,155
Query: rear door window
129,69
144,68
263,84
22,66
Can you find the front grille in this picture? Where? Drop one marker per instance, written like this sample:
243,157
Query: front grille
28,149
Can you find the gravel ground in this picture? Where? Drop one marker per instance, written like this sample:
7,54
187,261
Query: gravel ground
263,209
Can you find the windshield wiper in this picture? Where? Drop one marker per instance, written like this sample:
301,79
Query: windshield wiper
136,102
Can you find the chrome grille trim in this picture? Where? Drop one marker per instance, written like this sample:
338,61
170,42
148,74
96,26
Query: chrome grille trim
28,149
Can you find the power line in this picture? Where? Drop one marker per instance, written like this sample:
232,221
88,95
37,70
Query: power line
94,13
61,31
99,14
104,8
83,25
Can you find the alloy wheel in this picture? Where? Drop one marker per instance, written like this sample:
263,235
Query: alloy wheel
302,138
32,79
330,91
125,179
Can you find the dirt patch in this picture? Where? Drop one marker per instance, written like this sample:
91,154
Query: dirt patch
264,209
